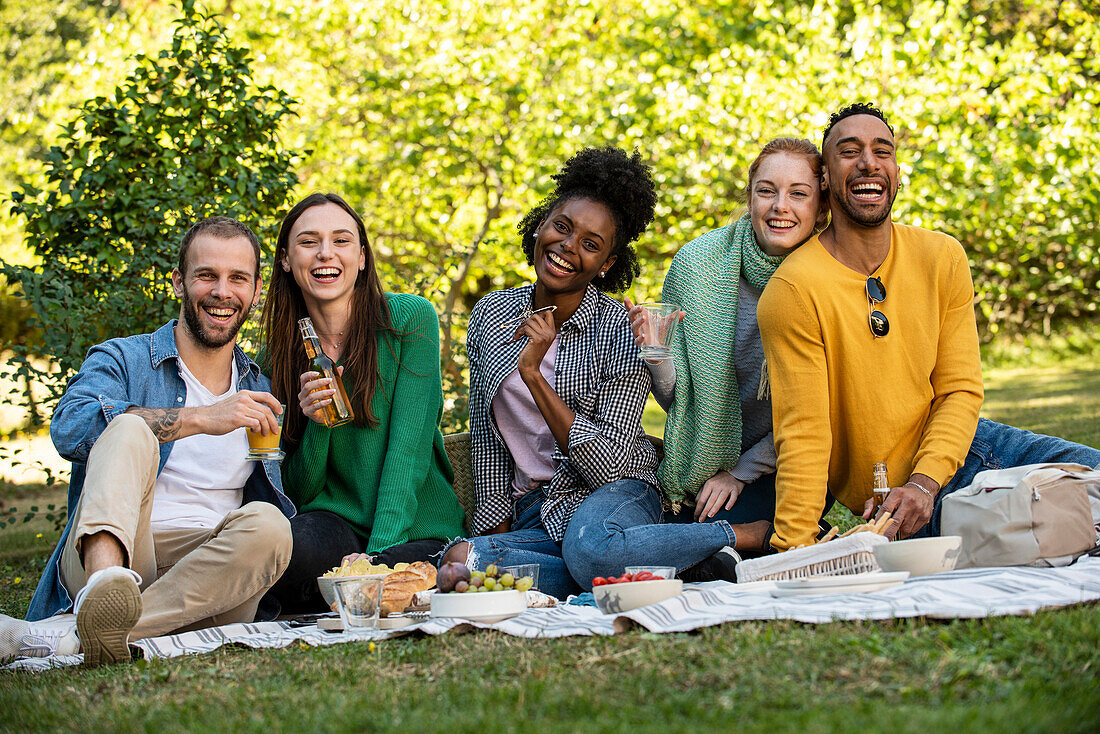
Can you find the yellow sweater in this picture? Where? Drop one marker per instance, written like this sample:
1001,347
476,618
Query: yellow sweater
842,400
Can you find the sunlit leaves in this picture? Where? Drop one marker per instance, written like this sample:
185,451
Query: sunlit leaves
442,121
186,134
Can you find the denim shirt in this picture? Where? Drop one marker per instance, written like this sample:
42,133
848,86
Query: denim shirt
133,371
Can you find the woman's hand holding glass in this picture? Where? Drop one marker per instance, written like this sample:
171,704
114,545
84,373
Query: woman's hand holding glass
642,326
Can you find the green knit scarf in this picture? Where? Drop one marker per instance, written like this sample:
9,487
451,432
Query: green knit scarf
703,430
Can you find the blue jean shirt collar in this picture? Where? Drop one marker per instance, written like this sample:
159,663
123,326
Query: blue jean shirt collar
163,346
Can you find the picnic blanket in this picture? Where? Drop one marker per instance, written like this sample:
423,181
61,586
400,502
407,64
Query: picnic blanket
969,593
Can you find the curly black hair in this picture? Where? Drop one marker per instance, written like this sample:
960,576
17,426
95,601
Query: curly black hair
622,183
858,108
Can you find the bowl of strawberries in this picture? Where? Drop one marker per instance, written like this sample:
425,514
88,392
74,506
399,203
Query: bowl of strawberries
639,586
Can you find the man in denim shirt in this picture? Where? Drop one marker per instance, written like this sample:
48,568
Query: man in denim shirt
170,527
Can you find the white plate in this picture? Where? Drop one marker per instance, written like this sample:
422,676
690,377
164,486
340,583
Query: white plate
488,606
854,584
392,622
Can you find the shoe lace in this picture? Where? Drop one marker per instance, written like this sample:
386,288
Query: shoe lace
41,643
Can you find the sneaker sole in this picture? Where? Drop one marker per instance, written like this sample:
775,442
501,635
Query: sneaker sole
107,615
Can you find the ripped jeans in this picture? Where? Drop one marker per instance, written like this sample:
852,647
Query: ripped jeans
619,525
616,526
526,542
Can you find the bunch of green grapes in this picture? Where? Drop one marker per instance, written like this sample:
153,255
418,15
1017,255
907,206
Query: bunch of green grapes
491,579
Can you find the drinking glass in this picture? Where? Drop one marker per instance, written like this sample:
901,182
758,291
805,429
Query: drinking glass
661,320
525,569
359,601
264,448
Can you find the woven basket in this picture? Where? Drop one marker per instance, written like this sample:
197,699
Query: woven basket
458,451
840,557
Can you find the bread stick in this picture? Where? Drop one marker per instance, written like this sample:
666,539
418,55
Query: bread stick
882,523
858,529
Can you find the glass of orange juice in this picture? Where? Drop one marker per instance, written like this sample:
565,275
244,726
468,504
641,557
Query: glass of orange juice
266,447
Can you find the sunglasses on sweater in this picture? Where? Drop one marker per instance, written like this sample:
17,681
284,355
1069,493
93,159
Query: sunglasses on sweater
876,293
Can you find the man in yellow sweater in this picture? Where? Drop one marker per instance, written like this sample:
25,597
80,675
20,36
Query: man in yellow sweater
872,347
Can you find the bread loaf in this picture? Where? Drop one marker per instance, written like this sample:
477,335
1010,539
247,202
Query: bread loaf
398,587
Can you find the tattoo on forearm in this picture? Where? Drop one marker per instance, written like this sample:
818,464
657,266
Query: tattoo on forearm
164,422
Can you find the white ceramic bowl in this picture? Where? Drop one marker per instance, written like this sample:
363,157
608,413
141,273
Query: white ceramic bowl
920,556
328,590
615,598
484,606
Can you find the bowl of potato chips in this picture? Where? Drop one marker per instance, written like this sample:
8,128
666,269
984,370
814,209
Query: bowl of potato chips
357,568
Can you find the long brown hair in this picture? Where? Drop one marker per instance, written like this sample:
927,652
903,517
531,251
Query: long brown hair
284,353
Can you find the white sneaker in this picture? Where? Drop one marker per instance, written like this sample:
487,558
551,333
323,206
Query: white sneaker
52,636
107,608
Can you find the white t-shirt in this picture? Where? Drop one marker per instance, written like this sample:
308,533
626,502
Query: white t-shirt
203,479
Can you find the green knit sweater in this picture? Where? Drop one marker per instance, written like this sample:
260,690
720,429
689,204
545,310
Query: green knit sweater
391,483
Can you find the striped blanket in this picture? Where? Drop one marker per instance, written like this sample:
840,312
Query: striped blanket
969,593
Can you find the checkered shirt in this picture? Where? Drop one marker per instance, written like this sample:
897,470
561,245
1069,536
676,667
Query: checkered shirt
597,373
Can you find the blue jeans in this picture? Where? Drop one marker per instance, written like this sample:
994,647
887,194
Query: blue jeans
526,542
619,525
997,446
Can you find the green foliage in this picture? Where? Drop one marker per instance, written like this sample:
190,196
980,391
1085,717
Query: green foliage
12,455
442,121
187,134
39,45
56,515
1010,166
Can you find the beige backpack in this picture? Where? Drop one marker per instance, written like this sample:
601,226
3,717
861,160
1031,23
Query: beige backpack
1034,515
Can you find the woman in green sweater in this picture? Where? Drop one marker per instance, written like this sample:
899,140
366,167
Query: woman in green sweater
380,485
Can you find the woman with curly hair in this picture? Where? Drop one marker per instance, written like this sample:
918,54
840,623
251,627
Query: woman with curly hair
380,485
556,386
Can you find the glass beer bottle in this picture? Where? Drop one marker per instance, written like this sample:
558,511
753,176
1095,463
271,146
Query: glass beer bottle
339,411
880,483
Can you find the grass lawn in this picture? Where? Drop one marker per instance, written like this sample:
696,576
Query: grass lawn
1034,674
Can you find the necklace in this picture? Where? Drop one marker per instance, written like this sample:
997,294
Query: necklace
328,337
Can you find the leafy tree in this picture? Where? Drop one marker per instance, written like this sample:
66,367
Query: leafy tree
442,120
37,50
187,134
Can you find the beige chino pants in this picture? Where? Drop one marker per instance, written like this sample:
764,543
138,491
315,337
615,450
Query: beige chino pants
191,577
